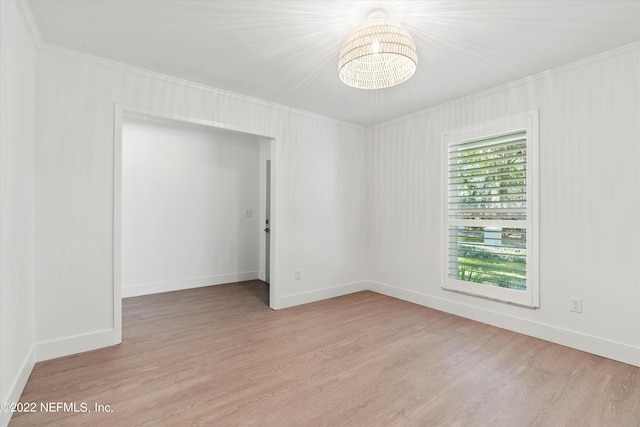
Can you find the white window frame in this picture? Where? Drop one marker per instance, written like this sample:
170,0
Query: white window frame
531,296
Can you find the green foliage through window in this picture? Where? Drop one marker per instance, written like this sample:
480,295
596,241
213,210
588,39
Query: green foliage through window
487,183
489,255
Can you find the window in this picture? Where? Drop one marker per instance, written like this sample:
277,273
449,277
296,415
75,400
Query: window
491,220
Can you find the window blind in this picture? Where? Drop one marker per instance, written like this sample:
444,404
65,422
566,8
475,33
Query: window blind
488,178
487,210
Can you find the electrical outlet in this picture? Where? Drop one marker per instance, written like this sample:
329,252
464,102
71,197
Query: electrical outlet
576,304
298,274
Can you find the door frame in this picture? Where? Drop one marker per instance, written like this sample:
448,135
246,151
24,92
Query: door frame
267,224
120,112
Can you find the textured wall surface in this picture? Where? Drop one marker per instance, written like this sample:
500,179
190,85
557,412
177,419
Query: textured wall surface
18,64
589,178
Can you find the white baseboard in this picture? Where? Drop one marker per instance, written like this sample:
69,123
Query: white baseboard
18,384
591,344
178,285
77,344
262,275
319,294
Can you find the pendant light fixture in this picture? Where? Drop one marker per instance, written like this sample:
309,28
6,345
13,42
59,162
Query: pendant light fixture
378,54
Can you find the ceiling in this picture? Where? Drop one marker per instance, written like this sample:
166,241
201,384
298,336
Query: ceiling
286,51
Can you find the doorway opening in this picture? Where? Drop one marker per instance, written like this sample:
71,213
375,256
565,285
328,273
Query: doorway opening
188,213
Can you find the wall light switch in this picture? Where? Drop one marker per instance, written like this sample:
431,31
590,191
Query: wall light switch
248,213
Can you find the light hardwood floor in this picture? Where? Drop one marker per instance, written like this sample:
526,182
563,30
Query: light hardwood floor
219,356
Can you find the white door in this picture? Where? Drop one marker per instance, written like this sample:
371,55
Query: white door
267,228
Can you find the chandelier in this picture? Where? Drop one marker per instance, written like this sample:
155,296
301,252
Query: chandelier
378,54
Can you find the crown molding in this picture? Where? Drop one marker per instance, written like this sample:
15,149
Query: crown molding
621,50
34,32
57,50
30,22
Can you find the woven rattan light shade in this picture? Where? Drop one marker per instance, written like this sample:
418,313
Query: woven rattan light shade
378,54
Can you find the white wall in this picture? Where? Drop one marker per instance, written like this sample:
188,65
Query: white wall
17,203
186,190
319,211
589,179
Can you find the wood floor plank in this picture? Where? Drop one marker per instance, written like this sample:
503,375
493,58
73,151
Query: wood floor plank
218,356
